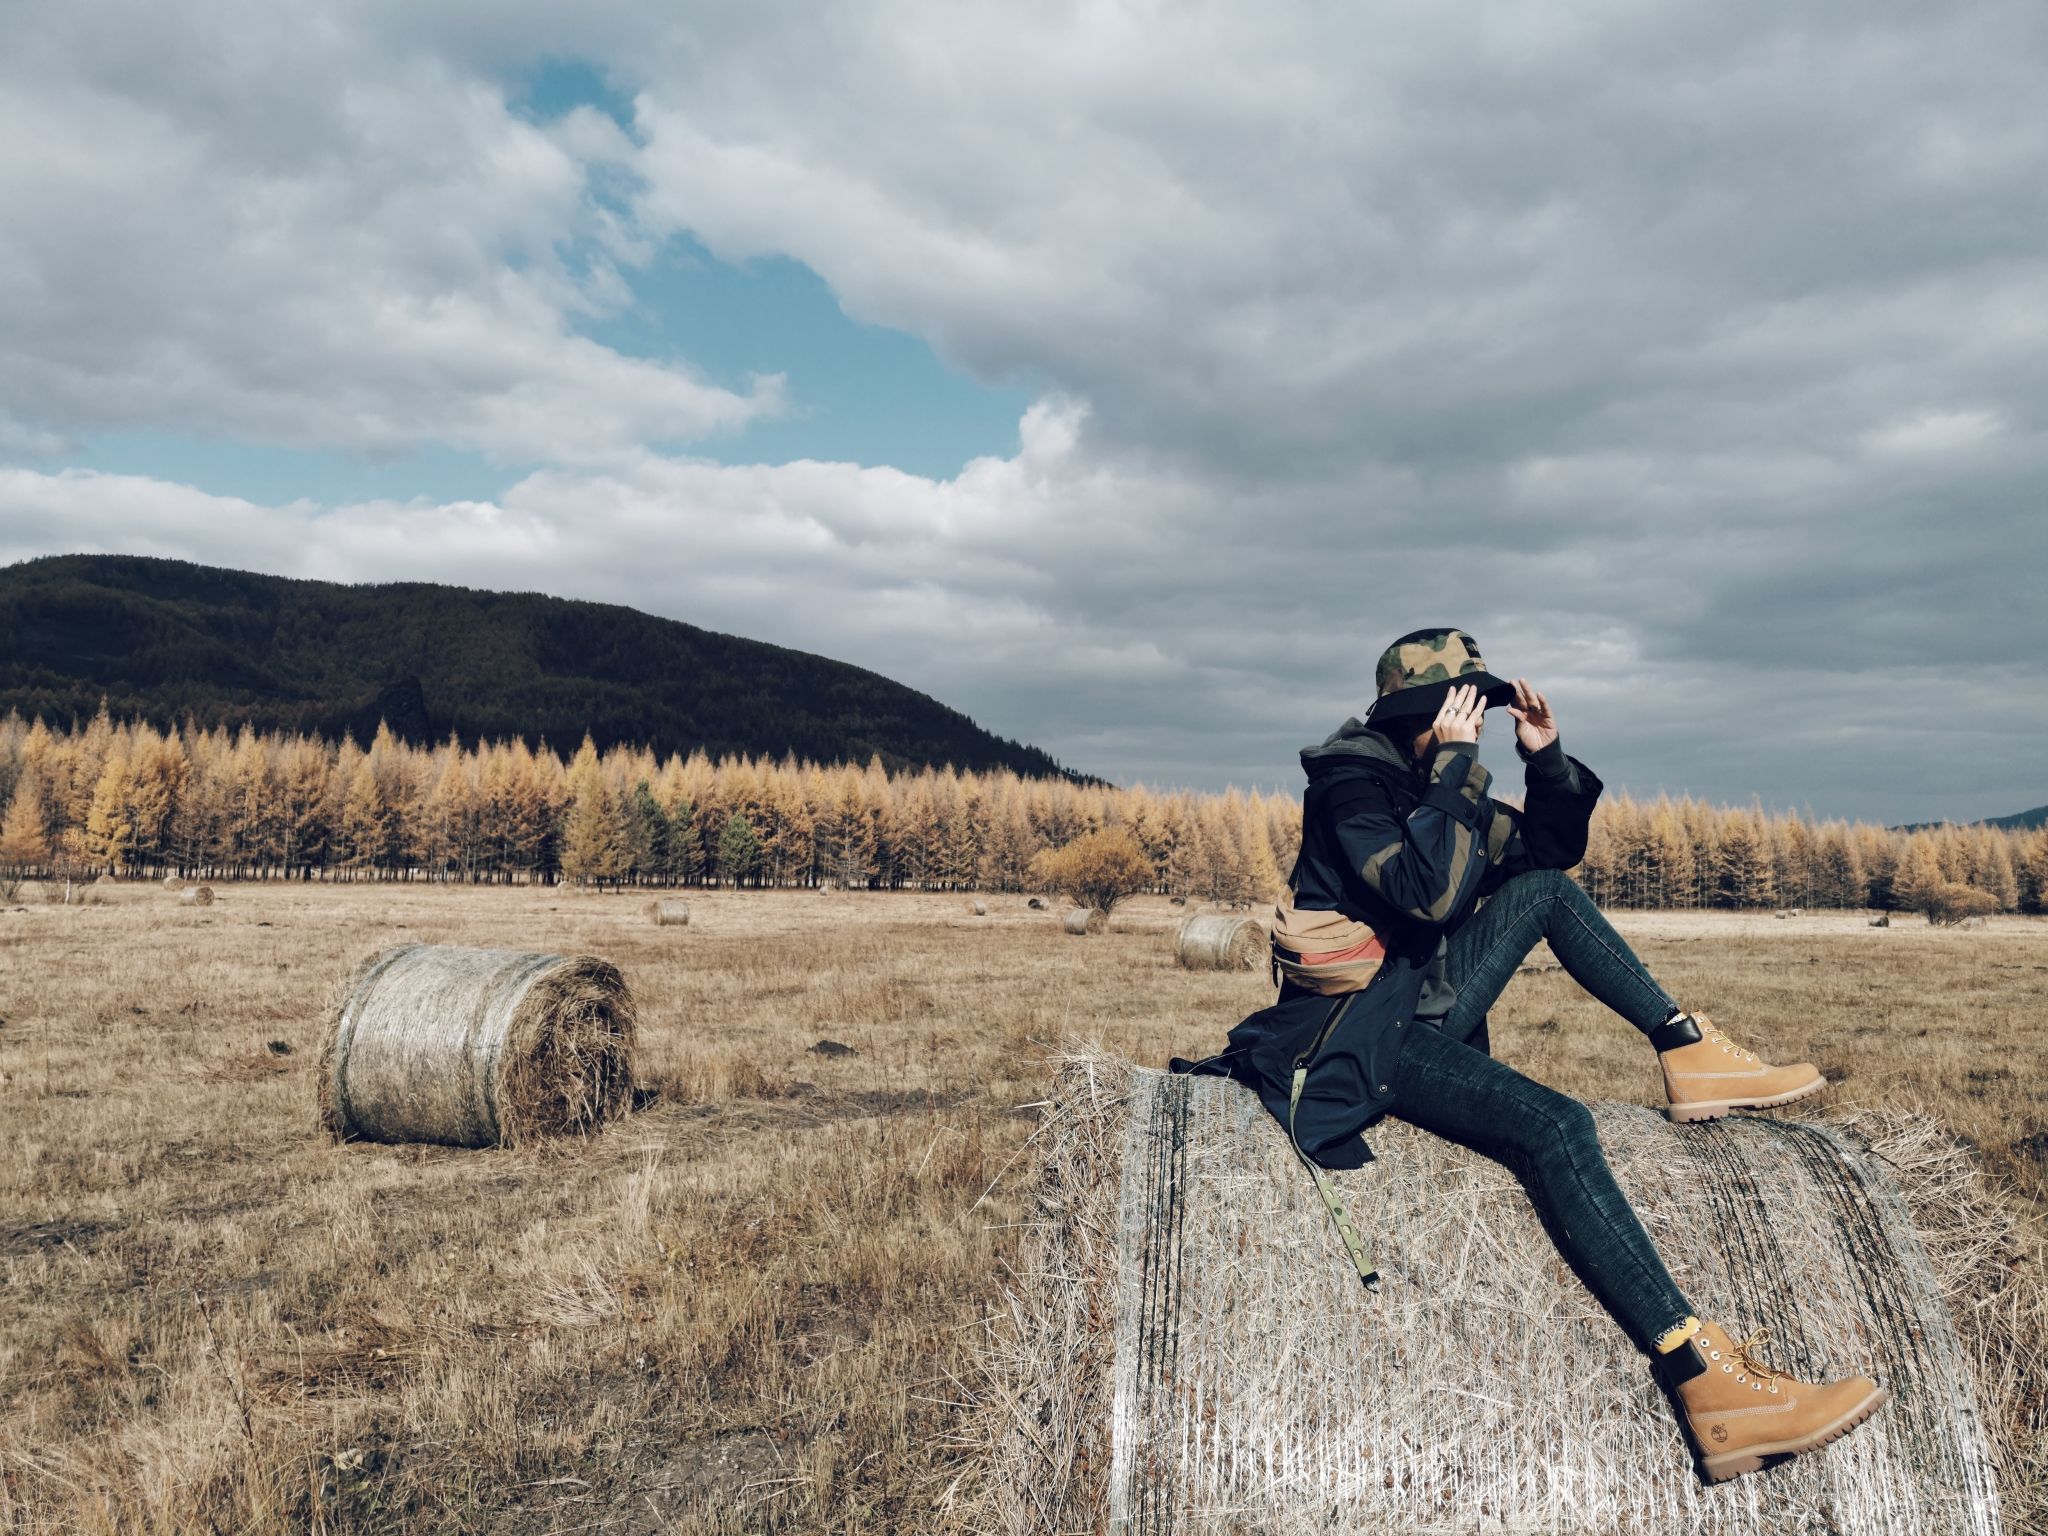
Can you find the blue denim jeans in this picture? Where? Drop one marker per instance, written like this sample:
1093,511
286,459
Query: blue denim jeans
1548,1138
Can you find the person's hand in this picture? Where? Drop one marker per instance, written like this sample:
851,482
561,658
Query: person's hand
1462,714
1535,725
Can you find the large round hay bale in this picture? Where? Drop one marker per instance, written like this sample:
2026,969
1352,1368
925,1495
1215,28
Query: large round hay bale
197,896
669,914
1084,920
477,1047
1188,1347
174,882
1220,942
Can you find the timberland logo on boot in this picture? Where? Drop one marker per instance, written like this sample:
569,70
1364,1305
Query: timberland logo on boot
1719,1432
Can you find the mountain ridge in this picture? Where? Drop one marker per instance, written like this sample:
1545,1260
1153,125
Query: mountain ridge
170,640
2017,820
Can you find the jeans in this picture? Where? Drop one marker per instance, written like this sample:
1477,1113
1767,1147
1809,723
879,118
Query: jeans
1462,1093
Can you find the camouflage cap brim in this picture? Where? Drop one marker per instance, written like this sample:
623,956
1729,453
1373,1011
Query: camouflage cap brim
1426,699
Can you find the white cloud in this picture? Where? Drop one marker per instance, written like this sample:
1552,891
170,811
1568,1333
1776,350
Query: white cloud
263,226
1935,432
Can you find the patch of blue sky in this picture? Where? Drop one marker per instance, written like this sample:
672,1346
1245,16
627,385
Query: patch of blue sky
856,393
271,475
557,85
860,393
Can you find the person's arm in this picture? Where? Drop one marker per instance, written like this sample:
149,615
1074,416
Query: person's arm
1549,832
1426,864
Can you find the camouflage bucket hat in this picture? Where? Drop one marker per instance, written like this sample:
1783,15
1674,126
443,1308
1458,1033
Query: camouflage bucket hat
1420,668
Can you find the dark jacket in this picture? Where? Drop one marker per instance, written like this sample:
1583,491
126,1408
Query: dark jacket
1409,850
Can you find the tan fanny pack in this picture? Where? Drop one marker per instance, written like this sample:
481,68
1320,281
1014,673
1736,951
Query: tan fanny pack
1324,952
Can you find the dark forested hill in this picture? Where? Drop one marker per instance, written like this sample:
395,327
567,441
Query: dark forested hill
163,640
2037,817
2018,821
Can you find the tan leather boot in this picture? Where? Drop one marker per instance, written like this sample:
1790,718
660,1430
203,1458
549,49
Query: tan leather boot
1741,1412
1706,1074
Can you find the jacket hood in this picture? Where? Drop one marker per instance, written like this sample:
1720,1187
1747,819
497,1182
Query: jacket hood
1352,742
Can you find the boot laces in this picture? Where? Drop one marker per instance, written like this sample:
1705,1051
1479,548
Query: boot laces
1745,1357
1708,1028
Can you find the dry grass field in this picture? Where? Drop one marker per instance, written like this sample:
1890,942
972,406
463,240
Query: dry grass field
752,1305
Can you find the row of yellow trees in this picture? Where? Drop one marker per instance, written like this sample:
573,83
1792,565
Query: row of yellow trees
129,798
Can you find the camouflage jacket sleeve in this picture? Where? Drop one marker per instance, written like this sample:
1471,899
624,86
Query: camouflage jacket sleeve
1549,832
1426,865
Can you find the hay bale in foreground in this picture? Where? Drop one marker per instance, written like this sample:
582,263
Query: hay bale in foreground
1191,1350
669,914
1220,942
197,896
1085,920
476,1047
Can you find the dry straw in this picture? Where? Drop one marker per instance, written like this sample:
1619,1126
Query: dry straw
669,914
1188,1348
197,896
1220,941
1084,920
477,1047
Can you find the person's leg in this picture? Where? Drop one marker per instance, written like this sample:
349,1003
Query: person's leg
1548,904
1448,1088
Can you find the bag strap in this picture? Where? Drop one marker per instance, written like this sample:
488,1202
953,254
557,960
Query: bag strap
1361,1258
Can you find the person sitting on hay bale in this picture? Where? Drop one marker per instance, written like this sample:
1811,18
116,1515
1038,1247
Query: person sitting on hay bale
1387,963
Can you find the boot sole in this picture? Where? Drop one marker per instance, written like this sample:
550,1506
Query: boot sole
1735,1463
1714,1109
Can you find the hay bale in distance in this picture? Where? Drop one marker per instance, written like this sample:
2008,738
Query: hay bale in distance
174,882
197,896
978,908
1220,942
669,914
1189,1342
477,1047
1083,920
1036,903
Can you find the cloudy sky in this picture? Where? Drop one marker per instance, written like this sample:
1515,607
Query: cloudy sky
1126,375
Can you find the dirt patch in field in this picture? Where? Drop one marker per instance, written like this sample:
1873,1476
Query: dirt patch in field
20,1241
805,1106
